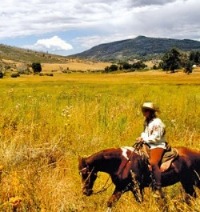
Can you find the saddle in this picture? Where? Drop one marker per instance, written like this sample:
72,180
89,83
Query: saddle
169,156
143,150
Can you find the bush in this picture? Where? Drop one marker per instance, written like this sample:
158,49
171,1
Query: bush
188,67
126,66
111,68
37,68
139,65
1,75
15,75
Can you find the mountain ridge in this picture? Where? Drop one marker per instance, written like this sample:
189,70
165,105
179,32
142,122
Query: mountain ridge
140,46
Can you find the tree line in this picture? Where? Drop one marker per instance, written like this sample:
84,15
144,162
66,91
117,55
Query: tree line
171,61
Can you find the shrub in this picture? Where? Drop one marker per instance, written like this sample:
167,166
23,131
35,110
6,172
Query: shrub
111,68
37,68
126,66
1,74
139,65
15,75
188,67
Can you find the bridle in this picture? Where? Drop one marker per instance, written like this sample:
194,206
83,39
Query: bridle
83,169
86,169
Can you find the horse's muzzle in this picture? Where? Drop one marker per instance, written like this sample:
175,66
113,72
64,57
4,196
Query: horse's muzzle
87,192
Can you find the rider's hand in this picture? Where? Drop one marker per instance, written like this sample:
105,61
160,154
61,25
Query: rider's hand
139,140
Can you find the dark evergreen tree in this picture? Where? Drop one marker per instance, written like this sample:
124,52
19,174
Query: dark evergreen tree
195,57
37,68
171,60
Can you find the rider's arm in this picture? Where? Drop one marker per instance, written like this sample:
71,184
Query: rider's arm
154,133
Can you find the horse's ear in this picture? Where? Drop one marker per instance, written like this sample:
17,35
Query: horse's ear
80,158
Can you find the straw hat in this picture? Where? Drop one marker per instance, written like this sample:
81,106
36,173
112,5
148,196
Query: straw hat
150,106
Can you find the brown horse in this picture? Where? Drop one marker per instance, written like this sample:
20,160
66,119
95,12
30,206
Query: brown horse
129,171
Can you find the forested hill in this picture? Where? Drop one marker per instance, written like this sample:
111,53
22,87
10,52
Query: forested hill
140,46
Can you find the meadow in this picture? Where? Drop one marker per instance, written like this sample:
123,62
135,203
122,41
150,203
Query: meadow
47,122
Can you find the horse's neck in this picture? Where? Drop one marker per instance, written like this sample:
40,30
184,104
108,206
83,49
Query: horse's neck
102,162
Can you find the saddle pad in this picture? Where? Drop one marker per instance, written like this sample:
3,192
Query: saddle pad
168,158
168,155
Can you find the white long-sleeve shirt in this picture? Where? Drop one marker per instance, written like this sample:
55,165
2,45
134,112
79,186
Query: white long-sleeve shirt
154,134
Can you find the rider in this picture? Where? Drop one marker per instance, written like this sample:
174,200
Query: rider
153,135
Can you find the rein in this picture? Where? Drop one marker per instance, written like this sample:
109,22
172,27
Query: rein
197,175
104,188
137,146
142,149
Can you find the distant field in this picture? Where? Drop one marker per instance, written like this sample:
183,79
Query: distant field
75,66
47,122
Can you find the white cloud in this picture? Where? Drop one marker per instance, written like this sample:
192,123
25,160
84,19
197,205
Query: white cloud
52,44
98,21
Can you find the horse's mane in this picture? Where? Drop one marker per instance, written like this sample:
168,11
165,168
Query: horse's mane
105,154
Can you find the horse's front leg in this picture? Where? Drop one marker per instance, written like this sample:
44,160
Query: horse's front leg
136,188
114,198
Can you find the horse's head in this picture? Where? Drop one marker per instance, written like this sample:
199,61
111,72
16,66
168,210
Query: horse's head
88,175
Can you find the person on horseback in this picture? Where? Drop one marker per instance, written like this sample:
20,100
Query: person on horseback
153,136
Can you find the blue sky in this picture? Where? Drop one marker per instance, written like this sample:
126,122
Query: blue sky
66,27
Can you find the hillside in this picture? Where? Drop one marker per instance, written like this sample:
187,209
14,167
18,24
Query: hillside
28,56
138,47
13,58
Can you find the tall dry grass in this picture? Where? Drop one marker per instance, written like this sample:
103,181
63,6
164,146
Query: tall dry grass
46,123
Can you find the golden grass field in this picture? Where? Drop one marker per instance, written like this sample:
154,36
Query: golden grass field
47,122
75,65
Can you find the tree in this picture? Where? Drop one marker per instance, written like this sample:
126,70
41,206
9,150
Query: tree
111,68
171,60
126,66
37,68
188,67
195,57
139,65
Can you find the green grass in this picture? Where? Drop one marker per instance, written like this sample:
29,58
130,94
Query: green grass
46,123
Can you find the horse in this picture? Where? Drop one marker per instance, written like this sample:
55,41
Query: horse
129,171
113,161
